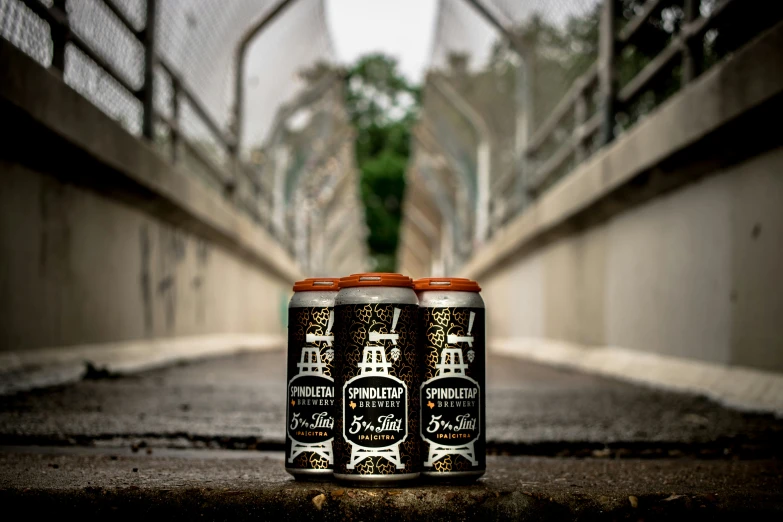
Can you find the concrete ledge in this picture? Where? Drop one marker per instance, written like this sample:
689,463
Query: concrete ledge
62,133
742,388
29,369
242,485
681,135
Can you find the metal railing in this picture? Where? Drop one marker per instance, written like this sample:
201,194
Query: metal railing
230,177
592,111
601,82
641,53
115,43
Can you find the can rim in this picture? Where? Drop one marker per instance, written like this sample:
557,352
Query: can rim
376,279
454,284
318,284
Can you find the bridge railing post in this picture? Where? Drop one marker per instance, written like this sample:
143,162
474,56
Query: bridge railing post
693,50
580,120
607,77
59,36
175,128
148,98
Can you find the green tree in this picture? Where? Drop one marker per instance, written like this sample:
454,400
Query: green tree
383,106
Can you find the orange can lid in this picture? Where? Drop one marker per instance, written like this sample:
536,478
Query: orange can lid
376,279
457,284
317,284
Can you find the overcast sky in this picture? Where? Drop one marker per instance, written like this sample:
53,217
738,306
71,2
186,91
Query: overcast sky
401,28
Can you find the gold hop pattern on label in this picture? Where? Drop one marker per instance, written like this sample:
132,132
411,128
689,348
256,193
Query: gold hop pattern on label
456,329
436,336
432,360
441,316
451,463
352,359
359,334
443,465
310,460
298,333
461,463
378,326
318,462
383,313
412,358
364,313
321,317
366,467
385,467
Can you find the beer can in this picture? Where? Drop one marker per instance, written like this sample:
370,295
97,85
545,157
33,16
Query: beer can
453,373
376,380
310,395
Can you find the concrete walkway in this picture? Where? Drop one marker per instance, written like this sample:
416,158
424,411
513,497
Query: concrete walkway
566,445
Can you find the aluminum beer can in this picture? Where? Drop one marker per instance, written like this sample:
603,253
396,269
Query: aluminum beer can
310,395
376,380
453,372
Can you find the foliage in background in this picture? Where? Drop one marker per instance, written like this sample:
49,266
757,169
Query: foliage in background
383,106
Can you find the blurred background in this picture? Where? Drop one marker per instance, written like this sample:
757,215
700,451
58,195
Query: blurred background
604,169
608,170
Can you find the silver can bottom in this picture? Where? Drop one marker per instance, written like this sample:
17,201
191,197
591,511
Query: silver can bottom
376,481
311,475
453,476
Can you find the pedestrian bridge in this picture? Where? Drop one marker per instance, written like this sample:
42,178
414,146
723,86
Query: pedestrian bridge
169,171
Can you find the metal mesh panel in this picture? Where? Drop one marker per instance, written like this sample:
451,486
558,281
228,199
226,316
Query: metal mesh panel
298,41
109,38
135,11
560,39
460,30
24,29
92,82
117,45
198,40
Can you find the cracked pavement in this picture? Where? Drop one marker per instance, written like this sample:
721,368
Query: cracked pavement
565,445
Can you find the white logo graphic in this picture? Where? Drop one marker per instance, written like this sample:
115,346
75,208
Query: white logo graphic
452,365
454,339
311,364
374,363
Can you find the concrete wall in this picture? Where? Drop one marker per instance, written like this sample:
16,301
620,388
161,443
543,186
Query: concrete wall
668,241
77,267
696,273
102,240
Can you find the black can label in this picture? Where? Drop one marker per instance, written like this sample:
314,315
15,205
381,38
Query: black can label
452,395
310,395
376,379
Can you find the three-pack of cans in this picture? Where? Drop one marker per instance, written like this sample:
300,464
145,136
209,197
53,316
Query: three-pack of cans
386,379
